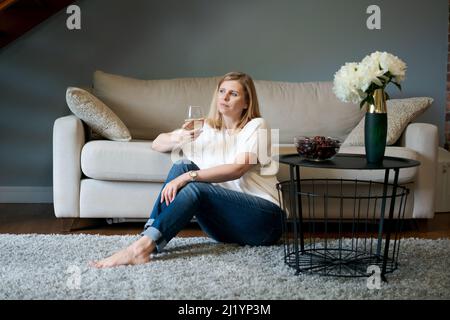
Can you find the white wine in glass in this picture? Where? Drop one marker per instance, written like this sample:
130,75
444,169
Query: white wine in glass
195,114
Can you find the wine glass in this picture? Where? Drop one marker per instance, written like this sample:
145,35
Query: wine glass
195,114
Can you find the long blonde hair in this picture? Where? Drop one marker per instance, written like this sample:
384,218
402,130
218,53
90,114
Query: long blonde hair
215,119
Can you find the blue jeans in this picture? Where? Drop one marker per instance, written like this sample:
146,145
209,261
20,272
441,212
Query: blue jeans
224,215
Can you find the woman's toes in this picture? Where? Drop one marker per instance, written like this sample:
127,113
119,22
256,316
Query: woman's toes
96,264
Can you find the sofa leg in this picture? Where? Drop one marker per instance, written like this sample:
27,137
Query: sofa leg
68,224
421,224
72,224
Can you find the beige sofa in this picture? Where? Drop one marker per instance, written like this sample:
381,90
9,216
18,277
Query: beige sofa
121,180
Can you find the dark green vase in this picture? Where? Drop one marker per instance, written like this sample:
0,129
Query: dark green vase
375,132
375,128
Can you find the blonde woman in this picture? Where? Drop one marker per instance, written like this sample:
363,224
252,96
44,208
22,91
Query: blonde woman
220,181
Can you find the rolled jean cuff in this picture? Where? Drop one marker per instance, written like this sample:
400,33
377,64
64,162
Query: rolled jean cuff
156,236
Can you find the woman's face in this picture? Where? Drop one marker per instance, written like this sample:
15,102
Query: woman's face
231,99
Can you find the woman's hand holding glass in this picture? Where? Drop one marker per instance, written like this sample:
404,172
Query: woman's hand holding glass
188,132
193,125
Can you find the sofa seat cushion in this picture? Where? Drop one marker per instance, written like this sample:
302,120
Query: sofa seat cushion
406,175
137,161
124,161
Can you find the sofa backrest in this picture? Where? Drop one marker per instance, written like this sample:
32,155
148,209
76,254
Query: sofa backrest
149,107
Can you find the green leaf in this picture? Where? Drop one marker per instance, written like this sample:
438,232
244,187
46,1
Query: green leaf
362,103
366,99
380,81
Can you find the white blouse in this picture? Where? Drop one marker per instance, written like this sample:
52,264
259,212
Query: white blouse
217,147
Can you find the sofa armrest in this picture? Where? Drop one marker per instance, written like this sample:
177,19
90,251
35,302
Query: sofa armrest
423,138
68,140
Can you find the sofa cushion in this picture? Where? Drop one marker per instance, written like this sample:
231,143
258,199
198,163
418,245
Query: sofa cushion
306,109
400,113
137,161
405,175
131,161
149,107
96,114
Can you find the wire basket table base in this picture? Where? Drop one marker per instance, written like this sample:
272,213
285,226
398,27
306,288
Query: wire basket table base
318,239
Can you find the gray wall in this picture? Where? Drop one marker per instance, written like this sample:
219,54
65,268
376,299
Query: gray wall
285,40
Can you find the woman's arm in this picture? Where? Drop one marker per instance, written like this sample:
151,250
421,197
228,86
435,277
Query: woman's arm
221,173
166,142
226,172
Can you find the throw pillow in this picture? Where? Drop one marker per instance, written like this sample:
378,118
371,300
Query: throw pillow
400,112
96,115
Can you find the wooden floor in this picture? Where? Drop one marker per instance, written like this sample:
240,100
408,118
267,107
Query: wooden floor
40,218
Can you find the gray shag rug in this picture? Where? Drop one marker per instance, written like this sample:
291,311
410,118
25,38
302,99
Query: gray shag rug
56,267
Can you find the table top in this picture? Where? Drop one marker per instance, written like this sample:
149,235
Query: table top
349,161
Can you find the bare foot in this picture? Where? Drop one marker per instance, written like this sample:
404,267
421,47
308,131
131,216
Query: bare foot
136,253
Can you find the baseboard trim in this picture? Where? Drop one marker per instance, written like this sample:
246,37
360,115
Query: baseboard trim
26,195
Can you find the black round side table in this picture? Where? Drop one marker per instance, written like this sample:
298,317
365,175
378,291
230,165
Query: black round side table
319,212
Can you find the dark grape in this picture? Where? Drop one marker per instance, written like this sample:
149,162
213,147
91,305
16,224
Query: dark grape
317,148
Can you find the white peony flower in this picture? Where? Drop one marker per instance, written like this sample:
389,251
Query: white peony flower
353,80
370,71
387,62
347,83
394,65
